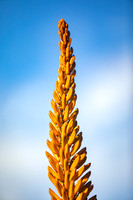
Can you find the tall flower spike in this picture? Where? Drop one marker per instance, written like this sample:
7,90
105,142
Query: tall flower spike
67,162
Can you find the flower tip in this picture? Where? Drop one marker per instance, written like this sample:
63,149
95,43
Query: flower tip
61,20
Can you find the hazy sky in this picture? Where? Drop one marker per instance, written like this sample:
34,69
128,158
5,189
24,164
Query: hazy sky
29,61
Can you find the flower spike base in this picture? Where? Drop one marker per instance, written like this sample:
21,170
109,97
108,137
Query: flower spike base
67,162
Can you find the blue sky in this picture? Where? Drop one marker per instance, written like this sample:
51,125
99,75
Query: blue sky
29,61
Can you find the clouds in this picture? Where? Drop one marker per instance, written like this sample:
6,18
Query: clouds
107,94
23,169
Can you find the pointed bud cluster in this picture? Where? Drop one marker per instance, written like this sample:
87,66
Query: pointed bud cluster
67,162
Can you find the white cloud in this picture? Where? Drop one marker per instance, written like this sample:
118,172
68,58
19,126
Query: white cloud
23,168
105,97
21,157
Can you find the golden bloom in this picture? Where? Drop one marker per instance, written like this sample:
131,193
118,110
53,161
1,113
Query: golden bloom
67,163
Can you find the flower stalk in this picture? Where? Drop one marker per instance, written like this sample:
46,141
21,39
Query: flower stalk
67,161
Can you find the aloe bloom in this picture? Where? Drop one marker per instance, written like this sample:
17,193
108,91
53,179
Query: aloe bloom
67,170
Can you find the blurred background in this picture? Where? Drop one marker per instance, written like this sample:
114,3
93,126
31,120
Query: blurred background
29,59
